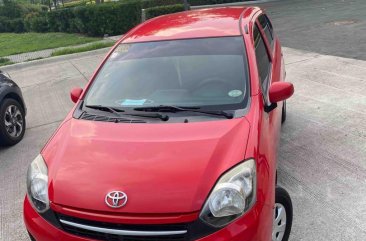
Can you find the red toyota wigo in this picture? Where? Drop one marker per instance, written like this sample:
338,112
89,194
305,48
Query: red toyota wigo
173,139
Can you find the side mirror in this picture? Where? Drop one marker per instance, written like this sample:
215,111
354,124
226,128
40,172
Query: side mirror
280,91
75,94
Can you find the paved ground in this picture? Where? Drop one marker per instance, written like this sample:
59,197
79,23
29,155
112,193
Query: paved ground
322,153
335,27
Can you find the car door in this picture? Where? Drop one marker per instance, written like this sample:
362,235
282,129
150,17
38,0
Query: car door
268,69
276,71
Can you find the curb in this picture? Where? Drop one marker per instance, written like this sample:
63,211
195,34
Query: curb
49,60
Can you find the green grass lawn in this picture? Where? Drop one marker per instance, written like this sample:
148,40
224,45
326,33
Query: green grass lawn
5,61
12,43
90,47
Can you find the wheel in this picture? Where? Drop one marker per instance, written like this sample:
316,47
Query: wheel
282,218
12,122
283,118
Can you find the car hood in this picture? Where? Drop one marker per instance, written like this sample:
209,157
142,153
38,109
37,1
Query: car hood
163,168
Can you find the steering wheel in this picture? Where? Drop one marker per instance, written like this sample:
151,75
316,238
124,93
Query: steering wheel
214,86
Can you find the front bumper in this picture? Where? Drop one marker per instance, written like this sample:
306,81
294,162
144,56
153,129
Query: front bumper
256,225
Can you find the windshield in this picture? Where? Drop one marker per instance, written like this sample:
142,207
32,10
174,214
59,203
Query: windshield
210,73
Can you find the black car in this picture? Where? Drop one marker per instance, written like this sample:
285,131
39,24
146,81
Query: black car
12,111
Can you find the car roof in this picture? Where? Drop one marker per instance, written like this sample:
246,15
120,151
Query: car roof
211,22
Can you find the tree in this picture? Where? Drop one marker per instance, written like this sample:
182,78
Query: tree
49,4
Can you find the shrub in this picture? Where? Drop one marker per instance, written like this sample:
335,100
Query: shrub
161,10
95,20
154,3
76,26
11,25
13,15
27,8
75,4
11,10
59,21
36,22
16,25
208,2
5,61
109,18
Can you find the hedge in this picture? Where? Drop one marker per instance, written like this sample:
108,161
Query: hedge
75,4
36,23
161,10
154,3
11,25
12,10
12,15
211,2
97,19
110,18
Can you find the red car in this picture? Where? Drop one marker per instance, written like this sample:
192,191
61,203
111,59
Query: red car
174,138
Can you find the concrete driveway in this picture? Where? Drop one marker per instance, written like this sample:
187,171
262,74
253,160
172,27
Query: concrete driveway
322,159
335,27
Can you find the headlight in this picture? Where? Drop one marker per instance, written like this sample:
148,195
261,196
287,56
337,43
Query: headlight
233,195
37,184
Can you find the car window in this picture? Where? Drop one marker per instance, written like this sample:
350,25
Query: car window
263,61
190,72
267,28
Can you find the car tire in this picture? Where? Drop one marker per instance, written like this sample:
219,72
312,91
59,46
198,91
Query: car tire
12,122
283,118
282,219
31,237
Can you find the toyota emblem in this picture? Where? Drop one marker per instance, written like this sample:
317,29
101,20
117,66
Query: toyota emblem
116,199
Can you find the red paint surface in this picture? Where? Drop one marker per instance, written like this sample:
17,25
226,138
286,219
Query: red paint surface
192,24
75,94
280,91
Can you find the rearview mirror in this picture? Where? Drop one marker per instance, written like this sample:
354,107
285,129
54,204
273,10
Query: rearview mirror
280,91
75,94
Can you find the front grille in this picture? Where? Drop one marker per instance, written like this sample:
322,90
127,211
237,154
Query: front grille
112,237
70,225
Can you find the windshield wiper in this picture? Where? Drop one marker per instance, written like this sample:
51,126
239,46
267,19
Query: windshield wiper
157,115
172,108
113,110
118,111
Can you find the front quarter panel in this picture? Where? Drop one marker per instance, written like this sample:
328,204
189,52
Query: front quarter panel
265,127
9,87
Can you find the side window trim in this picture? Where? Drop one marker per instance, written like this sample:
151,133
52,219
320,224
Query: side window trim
270,27
267,80
270,45
266,42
